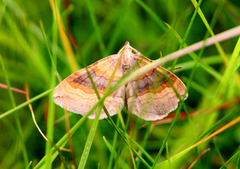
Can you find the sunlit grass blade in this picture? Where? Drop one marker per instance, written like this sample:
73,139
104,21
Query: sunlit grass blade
209,69
229,73
219,48
227,117
30,163
179,155
65,41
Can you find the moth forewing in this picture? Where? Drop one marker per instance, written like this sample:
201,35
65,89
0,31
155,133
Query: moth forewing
76,93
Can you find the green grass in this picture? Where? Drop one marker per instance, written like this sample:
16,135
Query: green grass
34,52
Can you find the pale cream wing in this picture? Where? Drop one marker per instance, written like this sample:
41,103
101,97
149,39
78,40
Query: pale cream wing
150,96
76,94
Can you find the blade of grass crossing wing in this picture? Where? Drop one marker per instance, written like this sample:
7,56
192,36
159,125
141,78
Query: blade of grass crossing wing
220,37
220,50
89,141
209,69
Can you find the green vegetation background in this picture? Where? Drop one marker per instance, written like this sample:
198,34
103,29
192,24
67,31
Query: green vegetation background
101,28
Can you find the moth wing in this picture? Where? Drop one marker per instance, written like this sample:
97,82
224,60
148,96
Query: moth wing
150,96
76,94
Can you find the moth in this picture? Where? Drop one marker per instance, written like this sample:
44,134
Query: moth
151,96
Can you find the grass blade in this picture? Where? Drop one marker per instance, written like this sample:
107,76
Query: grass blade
16,118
